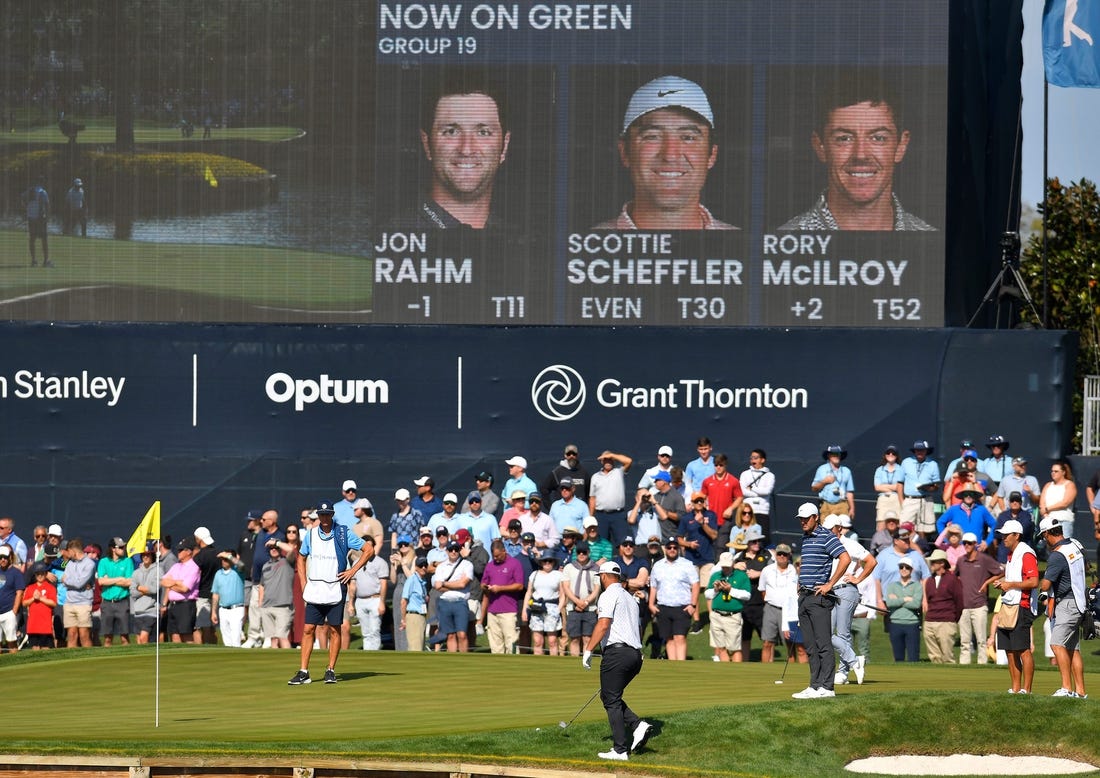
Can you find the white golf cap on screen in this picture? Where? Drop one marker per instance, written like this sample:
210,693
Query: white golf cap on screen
668,92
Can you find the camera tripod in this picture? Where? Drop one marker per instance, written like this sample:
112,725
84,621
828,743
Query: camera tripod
1009,286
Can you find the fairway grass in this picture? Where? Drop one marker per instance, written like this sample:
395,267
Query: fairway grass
712,719
254,275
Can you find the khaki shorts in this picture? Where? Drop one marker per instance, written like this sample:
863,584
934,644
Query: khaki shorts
77,616
276,621
725,630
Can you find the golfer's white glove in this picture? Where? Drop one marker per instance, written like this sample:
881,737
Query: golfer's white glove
586,660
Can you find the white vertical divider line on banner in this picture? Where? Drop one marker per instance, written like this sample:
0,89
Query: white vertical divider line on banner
194,390
459,393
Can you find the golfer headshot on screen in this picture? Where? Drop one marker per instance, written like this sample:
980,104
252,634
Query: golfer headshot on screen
860,138
667,145
464,135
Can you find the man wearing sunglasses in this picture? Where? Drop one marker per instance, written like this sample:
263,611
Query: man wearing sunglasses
18,547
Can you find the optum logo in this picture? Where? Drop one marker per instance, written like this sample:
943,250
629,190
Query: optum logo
281,388
558,392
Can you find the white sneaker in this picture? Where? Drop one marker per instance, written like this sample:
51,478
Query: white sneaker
613,755
641,734
860,668
825,693
715,659
267,643
840,678
250,643
809,693
1063,693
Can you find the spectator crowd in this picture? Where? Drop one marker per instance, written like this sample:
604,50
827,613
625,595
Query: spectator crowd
518,564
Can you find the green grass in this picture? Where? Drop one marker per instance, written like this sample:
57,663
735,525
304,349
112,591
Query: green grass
257,275
102,131
713,719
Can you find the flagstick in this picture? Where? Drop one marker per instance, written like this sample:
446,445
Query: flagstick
156,639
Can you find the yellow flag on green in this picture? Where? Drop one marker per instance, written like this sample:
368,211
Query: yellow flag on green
149,529
209,176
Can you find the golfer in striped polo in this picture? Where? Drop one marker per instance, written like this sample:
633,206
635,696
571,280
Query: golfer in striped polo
816,580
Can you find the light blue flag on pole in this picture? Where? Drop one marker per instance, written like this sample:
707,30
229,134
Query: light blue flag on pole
1071,42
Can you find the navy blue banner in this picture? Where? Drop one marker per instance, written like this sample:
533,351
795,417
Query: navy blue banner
100,420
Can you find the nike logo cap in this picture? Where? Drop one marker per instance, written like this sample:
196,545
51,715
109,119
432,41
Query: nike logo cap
668,92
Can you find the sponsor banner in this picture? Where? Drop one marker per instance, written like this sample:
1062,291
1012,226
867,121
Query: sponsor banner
426,392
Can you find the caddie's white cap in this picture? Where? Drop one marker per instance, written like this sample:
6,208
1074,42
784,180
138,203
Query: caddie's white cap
612,568
1048,524
55,530
668,92
1011,526
845,520
829,522
516,462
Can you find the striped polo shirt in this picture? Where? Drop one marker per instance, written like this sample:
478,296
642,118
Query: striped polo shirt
819,549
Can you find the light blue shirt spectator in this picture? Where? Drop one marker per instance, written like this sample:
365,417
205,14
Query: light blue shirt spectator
916,474
838,490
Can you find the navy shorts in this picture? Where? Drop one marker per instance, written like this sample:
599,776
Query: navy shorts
331,614
454,616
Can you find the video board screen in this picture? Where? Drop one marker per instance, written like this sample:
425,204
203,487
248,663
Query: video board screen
666,162
704,163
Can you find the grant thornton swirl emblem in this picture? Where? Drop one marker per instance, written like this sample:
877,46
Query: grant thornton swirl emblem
558,392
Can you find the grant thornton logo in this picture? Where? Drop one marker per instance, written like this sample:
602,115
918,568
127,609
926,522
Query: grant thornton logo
558,392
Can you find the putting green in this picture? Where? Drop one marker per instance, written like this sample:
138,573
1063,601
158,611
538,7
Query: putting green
254,275
712,718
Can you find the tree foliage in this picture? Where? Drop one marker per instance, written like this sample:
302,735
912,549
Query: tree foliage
1073,271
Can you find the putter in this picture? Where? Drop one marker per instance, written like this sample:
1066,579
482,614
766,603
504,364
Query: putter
565,726
784,673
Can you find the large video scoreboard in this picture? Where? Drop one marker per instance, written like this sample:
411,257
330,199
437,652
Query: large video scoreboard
704,163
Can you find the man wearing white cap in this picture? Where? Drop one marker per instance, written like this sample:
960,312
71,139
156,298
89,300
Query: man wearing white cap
860,566
618,633
1017,583
727,590
366,523
973,569
1064,580
667,146
406,520
206,557
518,480
345,508
664,465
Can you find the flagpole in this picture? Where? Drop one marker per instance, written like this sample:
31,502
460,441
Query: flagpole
1046,130
156,650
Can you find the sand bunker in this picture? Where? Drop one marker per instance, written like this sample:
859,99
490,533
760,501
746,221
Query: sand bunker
968,764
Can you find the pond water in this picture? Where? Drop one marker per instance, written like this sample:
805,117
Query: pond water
322,205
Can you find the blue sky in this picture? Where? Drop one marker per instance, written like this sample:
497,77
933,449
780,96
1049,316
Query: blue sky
1073,151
